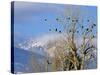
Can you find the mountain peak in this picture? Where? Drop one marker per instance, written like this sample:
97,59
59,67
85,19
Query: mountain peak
39,41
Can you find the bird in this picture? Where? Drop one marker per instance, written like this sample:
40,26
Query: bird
94,24
91,30
93,36
76,20
68,18
77,31
87,29
72,20
45,19
69,30
82,27
48,62
88,20
49,29
60,31
57,19
56,29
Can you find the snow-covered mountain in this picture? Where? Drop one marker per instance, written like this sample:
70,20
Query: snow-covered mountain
40,44
38,50
33,50
39,41
46,43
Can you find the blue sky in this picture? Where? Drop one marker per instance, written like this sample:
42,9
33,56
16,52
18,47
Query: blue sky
29,17
29,21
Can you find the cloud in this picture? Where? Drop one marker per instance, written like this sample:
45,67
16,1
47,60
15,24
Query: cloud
47,41
40,40
28,10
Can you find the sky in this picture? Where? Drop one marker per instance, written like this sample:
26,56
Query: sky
29,18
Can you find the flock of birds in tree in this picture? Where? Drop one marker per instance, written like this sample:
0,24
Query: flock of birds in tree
76,20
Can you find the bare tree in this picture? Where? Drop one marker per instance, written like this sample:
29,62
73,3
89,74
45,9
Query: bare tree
80,34
77,48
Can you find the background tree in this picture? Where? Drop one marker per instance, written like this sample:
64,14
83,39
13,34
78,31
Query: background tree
78,48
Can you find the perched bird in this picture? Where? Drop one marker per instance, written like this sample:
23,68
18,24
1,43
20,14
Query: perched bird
87,29
68,18
45,19
93,36
94,24
82,27
69,30
56,29
90,30
49,29
57,19
77,31
48,62
76,20
88,20
59,31
91,26
72,20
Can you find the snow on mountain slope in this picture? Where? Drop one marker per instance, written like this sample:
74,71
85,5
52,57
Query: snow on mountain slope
44,46
46,43
39,41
